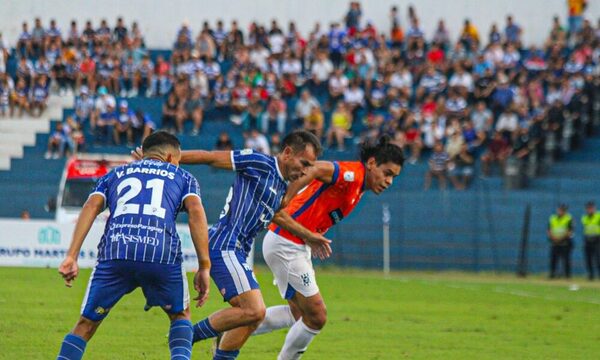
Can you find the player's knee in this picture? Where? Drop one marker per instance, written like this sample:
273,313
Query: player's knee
255,315
317,318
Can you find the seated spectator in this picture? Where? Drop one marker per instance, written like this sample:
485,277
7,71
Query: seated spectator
454,143
173,114
304,106
76,139
39,96
6,93
341,122
482,119
194,111
275,144
252,117
438,167
122,124
105,103
142,81
20,98
412,138
56,143
498,151
314,122
508,122
224,142
461,168
338,83
257,142
275,114
59,75
141,126
84,106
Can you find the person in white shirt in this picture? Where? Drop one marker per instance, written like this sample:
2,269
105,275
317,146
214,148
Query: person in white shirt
320,70
508,121
462,81
258,142
338,84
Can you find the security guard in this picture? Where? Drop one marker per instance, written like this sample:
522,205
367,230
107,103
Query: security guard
560,234
591,236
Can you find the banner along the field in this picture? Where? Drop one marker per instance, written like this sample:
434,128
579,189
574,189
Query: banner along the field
35,243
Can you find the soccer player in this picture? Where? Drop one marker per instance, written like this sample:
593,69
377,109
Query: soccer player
140,246
256,195
333,190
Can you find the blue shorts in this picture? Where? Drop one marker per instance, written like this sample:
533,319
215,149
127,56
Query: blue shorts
231,274
163,285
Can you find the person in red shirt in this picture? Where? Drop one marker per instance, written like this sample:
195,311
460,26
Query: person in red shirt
327,194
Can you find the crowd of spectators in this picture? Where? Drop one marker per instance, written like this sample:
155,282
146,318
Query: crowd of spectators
451,98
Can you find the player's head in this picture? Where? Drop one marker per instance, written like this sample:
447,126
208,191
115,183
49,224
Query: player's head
300,151
162,146
383,162
590,207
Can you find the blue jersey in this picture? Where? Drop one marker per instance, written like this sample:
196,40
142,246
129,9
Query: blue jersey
144,199
253,199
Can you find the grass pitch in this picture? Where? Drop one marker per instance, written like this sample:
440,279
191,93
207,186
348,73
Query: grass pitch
406,316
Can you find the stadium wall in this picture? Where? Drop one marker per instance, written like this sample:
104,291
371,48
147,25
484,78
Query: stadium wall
159,20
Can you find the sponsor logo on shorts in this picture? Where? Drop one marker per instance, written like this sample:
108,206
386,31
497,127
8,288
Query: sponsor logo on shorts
305,279
223,291
101,311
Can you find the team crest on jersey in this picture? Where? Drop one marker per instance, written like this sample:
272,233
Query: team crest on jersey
305,279
349,176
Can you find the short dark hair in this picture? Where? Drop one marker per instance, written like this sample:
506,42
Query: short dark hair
383,152
299,139
159,139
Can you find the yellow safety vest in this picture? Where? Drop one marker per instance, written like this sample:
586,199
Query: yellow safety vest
591,224
559,226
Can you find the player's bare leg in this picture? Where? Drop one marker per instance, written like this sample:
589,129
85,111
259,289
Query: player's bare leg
246,313
85,328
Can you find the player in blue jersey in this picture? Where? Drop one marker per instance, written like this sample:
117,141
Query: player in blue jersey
256,195
140,246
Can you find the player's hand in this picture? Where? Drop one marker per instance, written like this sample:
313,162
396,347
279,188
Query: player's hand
319,246
69,270
138,153
202,286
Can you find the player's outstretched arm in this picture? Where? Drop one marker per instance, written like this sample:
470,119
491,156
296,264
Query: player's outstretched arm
218,159
199,232
322,171
92,207
318,243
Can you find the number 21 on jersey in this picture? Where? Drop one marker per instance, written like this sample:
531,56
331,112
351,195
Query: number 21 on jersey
135,187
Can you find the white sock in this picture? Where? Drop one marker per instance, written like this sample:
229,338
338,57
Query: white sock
296,341
277,317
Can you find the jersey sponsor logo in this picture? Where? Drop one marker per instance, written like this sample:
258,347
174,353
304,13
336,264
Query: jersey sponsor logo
101,311
349,176
336,216
148,240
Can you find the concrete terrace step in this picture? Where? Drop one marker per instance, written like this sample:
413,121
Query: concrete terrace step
15,125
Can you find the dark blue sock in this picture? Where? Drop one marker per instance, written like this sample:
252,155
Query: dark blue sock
180,339
226,355
203,330
72,348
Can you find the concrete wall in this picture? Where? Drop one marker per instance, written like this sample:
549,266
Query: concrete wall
160,20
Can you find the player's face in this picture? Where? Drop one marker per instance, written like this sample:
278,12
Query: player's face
381,177
296,164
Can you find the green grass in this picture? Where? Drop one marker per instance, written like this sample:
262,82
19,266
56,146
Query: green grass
406,316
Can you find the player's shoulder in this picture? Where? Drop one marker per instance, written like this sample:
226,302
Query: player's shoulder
350,171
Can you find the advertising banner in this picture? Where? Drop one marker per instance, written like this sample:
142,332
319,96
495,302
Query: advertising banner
36,243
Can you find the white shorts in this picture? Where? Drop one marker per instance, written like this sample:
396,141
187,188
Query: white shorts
291,266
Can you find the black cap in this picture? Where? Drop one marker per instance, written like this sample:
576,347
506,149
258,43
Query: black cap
590,204
563,206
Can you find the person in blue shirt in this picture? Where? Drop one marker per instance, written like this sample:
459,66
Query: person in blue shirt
256,196
140,246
